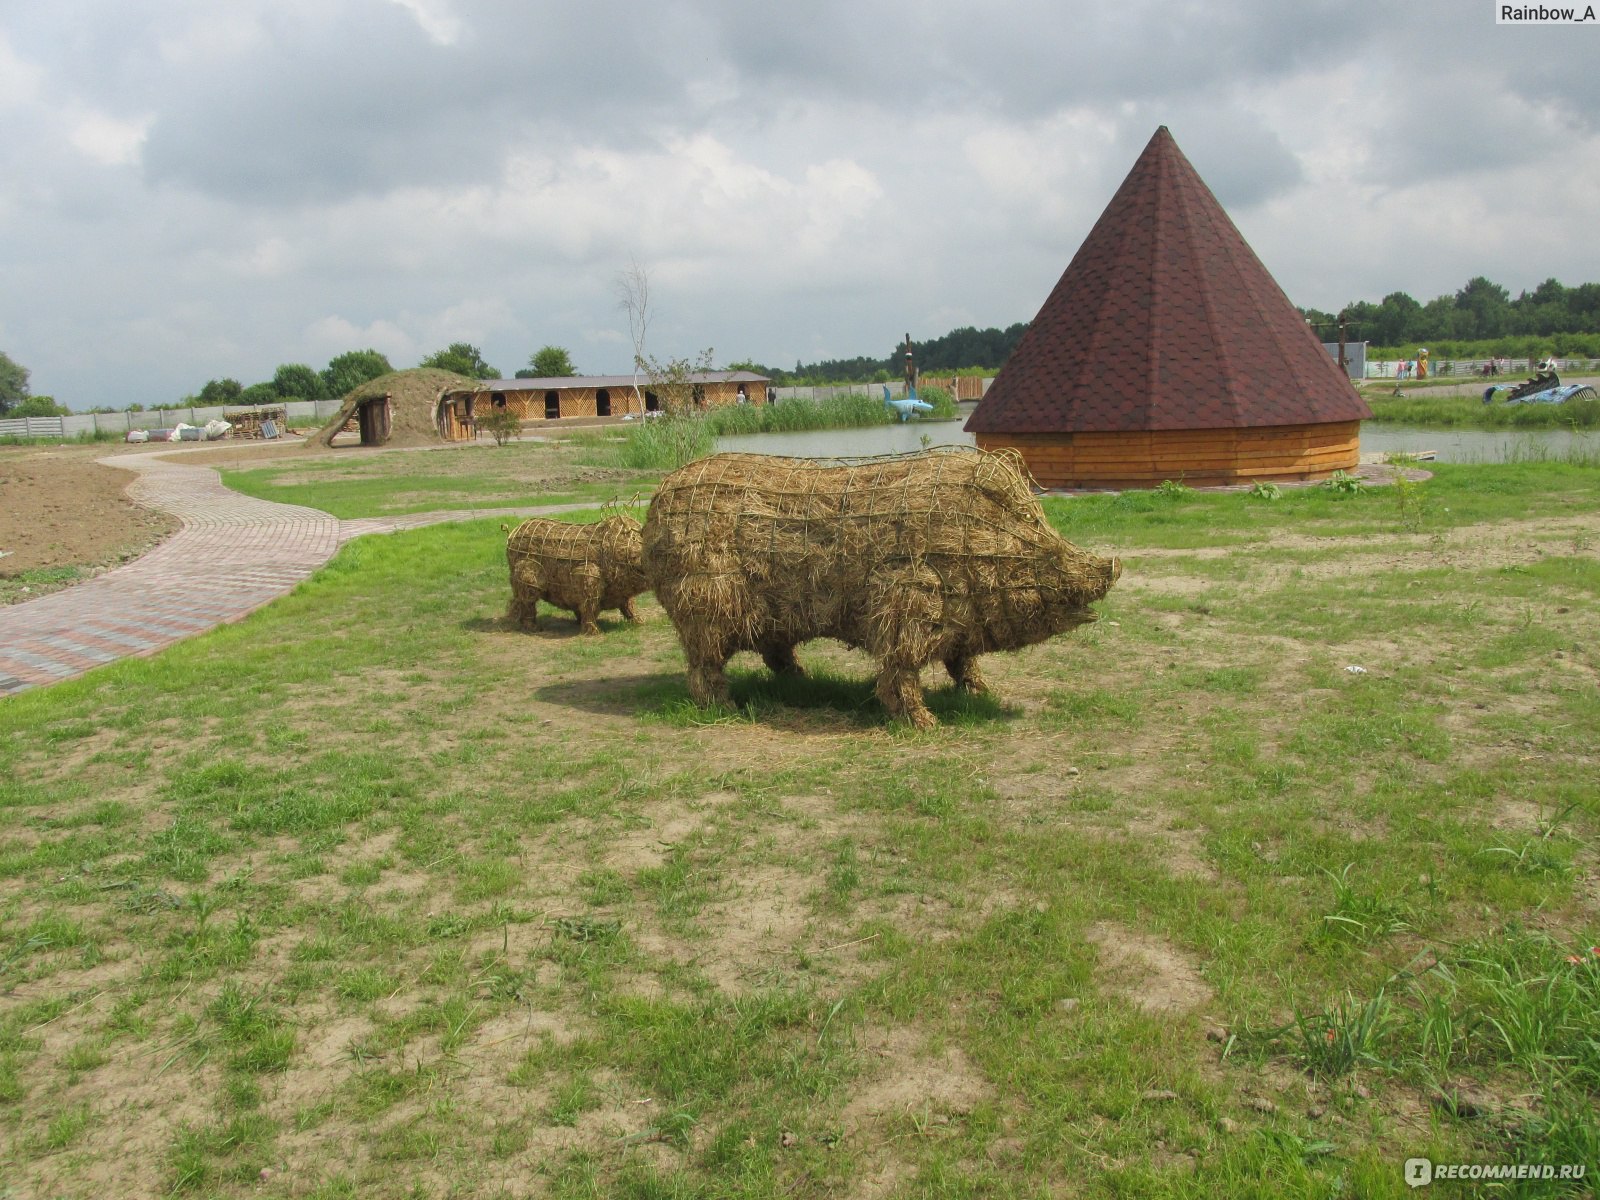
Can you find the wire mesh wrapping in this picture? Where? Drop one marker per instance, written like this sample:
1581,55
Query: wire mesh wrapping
935,556
584,568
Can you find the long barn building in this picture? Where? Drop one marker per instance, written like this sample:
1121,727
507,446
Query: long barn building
587,397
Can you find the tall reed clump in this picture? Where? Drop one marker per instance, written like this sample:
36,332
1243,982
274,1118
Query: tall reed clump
670,441
850,411
667,442
794,415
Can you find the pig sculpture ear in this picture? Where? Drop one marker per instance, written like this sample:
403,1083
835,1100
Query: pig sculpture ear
1116,568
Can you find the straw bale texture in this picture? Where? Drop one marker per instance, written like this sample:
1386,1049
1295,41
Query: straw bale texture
931,557
583,568
413,405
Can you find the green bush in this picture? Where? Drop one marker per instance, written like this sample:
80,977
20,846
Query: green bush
502,424
944,404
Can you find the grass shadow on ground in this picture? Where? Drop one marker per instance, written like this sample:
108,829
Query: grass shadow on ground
555,624
819,699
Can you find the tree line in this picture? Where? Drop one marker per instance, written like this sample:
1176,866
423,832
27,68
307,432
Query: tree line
1482,311
298,381
961,349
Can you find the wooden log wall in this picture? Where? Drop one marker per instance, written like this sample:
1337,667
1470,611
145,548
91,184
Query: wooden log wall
583,401
1200,457
960,387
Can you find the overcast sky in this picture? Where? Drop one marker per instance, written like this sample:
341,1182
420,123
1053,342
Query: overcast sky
194,189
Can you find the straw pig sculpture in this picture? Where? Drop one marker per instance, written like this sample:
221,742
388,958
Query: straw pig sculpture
938,556
584,568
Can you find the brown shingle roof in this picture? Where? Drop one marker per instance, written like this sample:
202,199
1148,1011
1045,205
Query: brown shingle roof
1165,319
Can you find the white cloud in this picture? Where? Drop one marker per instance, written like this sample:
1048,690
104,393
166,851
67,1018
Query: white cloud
209,34
434,18
327,337
19,79
110,141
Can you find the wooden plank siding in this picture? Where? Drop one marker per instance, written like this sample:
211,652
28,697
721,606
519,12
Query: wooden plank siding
1204,457
583,401
960,387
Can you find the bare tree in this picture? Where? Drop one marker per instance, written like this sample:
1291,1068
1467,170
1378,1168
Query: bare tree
633,297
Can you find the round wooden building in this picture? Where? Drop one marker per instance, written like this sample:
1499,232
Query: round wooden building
1166,351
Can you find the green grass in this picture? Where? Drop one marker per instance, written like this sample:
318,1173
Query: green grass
583,469
1456,497
368,890
1470,412
25,585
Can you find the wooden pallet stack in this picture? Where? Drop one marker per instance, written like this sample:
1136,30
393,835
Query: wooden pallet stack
247,422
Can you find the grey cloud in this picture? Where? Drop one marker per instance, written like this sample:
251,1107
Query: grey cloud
1027,59
348,172
1242,161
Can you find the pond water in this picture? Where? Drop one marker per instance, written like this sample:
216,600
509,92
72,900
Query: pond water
843,443
1476,445
1450,445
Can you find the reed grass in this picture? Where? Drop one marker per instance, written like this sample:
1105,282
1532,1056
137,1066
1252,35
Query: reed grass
1470,412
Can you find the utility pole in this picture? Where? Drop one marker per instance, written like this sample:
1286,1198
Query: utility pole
1343,318
911,368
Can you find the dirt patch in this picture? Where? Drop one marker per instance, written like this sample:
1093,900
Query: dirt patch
669,826
904,1081
1147,971
59,508
751,941
1181,851
904,1076
1518,816
240,455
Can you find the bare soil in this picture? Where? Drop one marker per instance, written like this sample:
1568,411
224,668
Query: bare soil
60,508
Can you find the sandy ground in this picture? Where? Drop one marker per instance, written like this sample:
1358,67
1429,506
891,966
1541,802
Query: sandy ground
60,508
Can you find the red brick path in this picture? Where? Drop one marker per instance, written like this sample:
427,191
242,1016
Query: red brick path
233,554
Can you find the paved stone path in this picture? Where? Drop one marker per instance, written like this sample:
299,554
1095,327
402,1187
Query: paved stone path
232,554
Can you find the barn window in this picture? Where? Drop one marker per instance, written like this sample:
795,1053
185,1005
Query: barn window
602,403
499,399
699,396
552,405
652,402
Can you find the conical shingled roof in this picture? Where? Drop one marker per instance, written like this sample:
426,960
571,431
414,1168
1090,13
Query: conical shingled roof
1165,319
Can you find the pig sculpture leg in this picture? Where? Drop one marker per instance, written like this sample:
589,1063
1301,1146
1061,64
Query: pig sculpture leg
708,683
780,659
900,689
903,636
965,674
587,580
629,613
525,597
